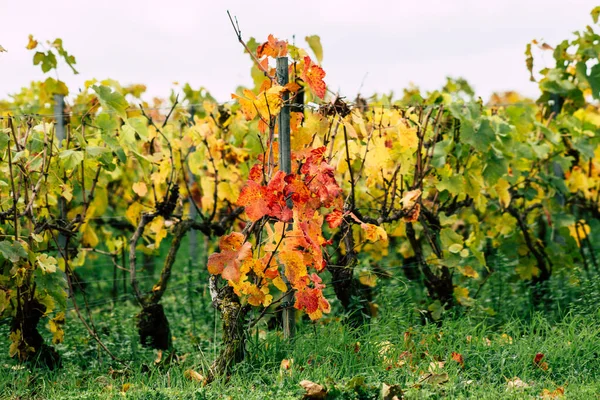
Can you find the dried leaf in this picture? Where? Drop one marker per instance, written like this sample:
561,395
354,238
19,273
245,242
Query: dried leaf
391,392
556,393
194,376
313,390
516,383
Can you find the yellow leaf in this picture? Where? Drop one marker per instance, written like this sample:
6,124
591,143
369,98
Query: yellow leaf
157,226
295,267
89,236
32,43
527,269
579,231
66,192
4,300
46,263
265,105
374,233
468,271
502,189
279,284
462,296
140,188
367,278
407,136
133,213
55,325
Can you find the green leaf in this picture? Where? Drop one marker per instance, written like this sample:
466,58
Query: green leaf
495,168
57,87
483,138
95,151
455,248
594,81
106,123
529,61
112,100
449,237
454,184
314,42
71,158
48,60
4,139
139,125
12,251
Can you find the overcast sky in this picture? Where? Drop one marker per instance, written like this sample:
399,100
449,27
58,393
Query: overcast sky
393,43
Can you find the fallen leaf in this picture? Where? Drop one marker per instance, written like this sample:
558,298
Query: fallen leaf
436,365
538,358
313,390
458,358
285,368
391,392
286,364
557,393
537,361
194,376
125,387
434,379
516,383
158,357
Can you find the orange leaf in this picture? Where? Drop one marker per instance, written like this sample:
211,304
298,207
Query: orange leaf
233,252
334,219
313,76
272,48
253,198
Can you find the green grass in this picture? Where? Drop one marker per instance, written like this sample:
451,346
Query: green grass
396,348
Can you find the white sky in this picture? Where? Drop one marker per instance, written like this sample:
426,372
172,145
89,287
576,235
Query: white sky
394,42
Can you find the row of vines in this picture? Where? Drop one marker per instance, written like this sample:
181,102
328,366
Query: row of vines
440,182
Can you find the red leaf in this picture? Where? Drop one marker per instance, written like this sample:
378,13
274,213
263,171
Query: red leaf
538,358
256,173
458,358
311,300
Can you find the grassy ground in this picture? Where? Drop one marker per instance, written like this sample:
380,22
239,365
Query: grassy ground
396,349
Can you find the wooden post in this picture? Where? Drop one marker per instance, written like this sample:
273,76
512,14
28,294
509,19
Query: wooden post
285,165
59,130
192,236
